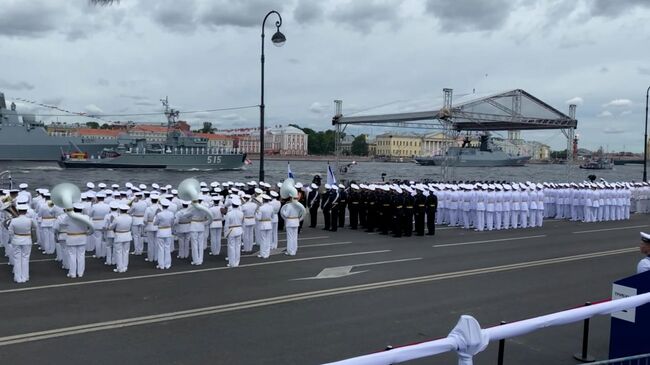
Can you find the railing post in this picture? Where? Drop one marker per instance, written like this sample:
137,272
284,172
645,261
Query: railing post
502,348
584,355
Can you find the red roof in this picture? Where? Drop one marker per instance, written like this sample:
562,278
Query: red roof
211,136
98,132
149,128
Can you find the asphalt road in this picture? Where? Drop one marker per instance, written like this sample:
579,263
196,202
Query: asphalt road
381,291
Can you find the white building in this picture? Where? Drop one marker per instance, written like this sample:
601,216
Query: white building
279,140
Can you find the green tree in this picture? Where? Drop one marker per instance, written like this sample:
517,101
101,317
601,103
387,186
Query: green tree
558,154
359,146
207,128
105,126
93,125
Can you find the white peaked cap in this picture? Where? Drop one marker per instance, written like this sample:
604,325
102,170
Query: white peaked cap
328,186
22,206
354,186
235,200
128,185
335,187
314,186
645,237
298,185
78,206
101,186
274,194
89,185
258,191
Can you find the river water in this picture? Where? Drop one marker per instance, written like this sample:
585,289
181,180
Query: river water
48,174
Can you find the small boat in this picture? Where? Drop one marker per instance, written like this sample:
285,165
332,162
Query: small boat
598,164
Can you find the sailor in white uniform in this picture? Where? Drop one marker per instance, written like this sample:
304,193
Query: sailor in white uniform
109,234
138,208
182,224
216,226
644,247
20,233
275,203
232,230
98,212
47,213
121,226
164,221
150,228
292,216
248,208
76,236
199,222
264,216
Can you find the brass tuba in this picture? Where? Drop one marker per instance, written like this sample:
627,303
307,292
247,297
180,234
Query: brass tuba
288,190
190,189
64,196
7,204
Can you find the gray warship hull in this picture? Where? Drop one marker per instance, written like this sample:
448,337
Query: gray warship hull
473,157
169,161
28,140
461,162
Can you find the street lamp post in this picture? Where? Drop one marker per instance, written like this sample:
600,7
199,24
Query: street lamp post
278,39
645,139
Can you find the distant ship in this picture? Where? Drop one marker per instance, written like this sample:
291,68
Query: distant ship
466,156
181,151
598,164
28,140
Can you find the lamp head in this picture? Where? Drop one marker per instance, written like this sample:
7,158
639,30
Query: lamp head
278,38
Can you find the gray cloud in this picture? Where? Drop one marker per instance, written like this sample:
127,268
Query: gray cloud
363,15
643,71
30,19
168,15
103,82
307,11
470,15
609,8
20,85
249,13
53,101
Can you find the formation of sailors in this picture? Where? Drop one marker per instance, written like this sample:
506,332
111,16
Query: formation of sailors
134,220
154,220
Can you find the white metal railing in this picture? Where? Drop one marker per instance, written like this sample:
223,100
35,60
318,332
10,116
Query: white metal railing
468,338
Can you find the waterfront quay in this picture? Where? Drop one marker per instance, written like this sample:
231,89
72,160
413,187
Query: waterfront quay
345,294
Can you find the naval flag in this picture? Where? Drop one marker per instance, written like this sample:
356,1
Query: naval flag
289,173
331,179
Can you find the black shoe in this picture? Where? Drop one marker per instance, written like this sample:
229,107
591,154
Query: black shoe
431,234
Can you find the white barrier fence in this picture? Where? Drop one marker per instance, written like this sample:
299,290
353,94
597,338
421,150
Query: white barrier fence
468,338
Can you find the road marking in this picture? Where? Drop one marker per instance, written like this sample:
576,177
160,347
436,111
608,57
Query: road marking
610,229
489,241
189,271
341,271
307,238
256,303
326,244
44,260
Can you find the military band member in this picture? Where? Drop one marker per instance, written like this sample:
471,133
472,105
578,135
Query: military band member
98,212
216,226
164,220
275,203
326,206
182,223
76,234
47,213
431,206
409,205
150,228
419,210
232,230
121,226
199,222
20,234
109,234
644,264
264,216
342,204
248,208
334,213
138,208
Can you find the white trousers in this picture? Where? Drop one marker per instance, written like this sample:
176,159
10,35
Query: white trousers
21,262
514,218
215,241
47,240
247,238
164,252
183,245
97,237
152,247
265,243
292,240
122,255
505,223
138,244
234,250
453,217
76,261
274,235
523,218
110,260
196,241
480,220
489,220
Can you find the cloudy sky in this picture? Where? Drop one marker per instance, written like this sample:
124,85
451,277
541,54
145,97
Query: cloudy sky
205,54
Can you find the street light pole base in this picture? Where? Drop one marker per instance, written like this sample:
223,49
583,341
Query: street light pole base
588,358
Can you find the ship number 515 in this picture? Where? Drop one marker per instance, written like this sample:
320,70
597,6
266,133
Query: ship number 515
214,159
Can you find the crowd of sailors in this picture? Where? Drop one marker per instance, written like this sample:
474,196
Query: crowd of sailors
152,221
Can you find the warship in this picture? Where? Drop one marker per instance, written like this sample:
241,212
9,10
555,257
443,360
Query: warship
22,138
181,151
482,156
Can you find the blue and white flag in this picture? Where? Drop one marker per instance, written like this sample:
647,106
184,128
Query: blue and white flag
289,173
331,179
